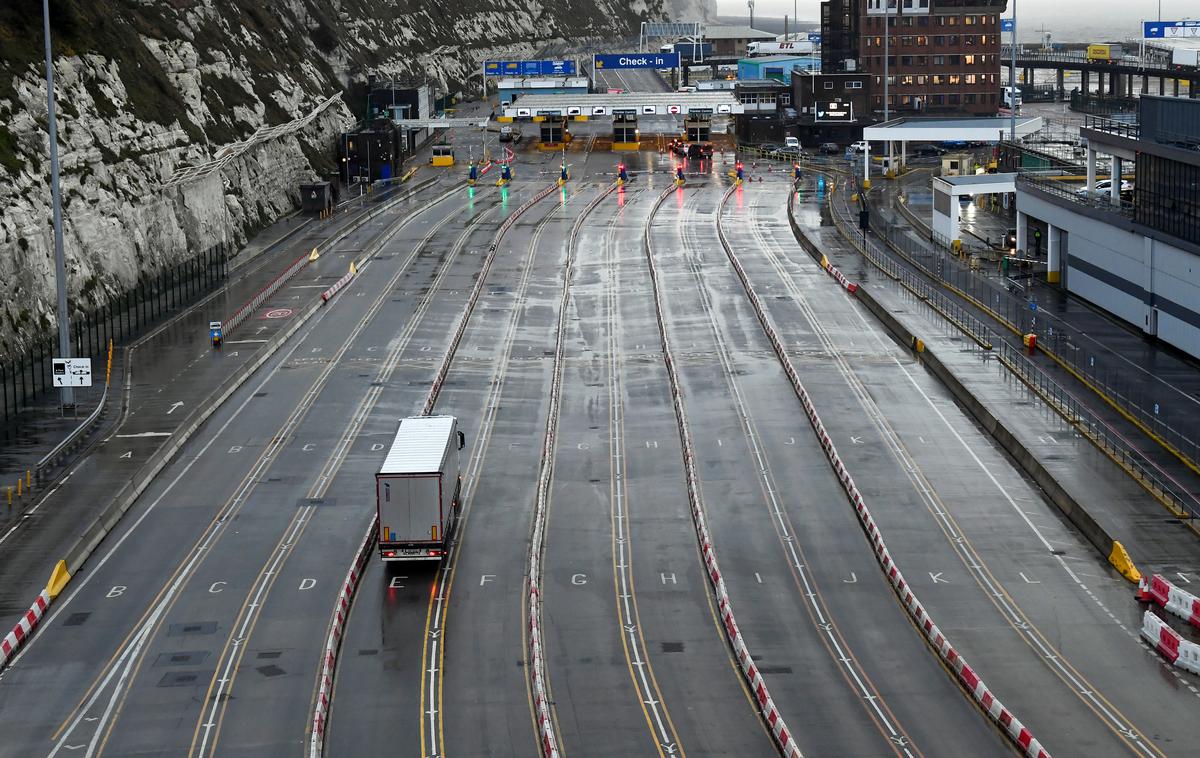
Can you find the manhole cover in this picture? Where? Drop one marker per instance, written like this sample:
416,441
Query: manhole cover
193,627
179,679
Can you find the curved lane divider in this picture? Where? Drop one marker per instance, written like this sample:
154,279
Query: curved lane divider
758,686
966,676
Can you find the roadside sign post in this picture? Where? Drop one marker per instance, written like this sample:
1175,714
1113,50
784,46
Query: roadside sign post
71,372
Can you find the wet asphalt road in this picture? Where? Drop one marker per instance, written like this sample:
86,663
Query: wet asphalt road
197,628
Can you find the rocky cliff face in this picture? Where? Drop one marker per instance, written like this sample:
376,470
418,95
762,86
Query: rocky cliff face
146,88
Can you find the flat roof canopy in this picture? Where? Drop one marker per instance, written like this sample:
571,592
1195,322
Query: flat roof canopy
439,123
717,102
976,183
948,129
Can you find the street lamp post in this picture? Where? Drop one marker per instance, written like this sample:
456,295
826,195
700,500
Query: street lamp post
60,263
1012,80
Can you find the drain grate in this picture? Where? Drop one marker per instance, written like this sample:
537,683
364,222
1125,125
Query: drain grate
181,658
179,679
369,651
672,647
270,670
192,627
260,394
775,669
269,654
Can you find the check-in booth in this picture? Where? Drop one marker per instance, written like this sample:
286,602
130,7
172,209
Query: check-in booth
625,129
443,155
553,130
698,125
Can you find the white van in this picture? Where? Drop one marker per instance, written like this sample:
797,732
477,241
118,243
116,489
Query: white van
791,142
1007,96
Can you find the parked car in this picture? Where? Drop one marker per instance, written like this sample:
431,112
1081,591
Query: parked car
1104,186
859,147
766,148
509,134
928,149
830,148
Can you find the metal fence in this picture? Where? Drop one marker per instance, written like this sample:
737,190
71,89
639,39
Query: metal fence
1158,406
1017,310
1089,102
23,378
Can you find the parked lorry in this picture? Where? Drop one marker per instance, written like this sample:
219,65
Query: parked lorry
1185,56
690,51
417,489
800,47
1106,53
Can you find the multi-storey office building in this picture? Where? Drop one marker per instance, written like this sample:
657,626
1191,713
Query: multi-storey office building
943,56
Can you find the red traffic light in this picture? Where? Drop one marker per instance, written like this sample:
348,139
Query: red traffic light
621,167
739,165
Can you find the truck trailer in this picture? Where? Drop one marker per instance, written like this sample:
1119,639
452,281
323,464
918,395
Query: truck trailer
417,489
1185,56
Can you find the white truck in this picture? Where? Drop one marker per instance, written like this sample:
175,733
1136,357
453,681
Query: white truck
1185,56
417,489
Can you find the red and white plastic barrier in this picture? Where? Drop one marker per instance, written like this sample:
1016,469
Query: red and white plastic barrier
329,659
1179,601
13,641
966,676
1169,643
338,285
758,686
838,276
242,313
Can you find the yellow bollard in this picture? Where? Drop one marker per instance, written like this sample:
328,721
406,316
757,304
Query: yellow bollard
10,497
19,482
29,480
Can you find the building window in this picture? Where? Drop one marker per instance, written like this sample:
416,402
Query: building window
969,60
954,79
921,60
906,60
906,41
939,60
854,85
922,40
952,40
955,60
828,85
937,99
969,78
937,80
954,98
969,20
922,20
969,98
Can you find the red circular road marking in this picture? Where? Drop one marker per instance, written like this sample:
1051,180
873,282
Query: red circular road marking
278,313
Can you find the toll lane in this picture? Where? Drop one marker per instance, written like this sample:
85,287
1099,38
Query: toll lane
851,612
1004,571
131,577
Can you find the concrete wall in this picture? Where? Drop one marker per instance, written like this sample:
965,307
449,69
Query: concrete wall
1151,284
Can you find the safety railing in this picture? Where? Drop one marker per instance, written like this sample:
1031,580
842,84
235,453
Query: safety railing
874,248
1154,404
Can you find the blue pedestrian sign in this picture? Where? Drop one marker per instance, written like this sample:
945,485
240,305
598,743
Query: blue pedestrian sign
635,60
529,68
1006,25
1171,29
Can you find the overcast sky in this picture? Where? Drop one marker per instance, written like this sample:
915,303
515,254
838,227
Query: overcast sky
1121,16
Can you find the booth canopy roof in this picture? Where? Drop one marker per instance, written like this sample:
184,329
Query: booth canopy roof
948,129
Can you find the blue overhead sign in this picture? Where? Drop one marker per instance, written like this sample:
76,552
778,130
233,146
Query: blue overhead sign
635,60
1006,24
1171,29
529,68
814,36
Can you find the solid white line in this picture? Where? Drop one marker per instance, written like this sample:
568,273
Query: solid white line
144,434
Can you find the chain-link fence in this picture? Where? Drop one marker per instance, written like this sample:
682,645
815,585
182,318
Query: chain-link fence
24,378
